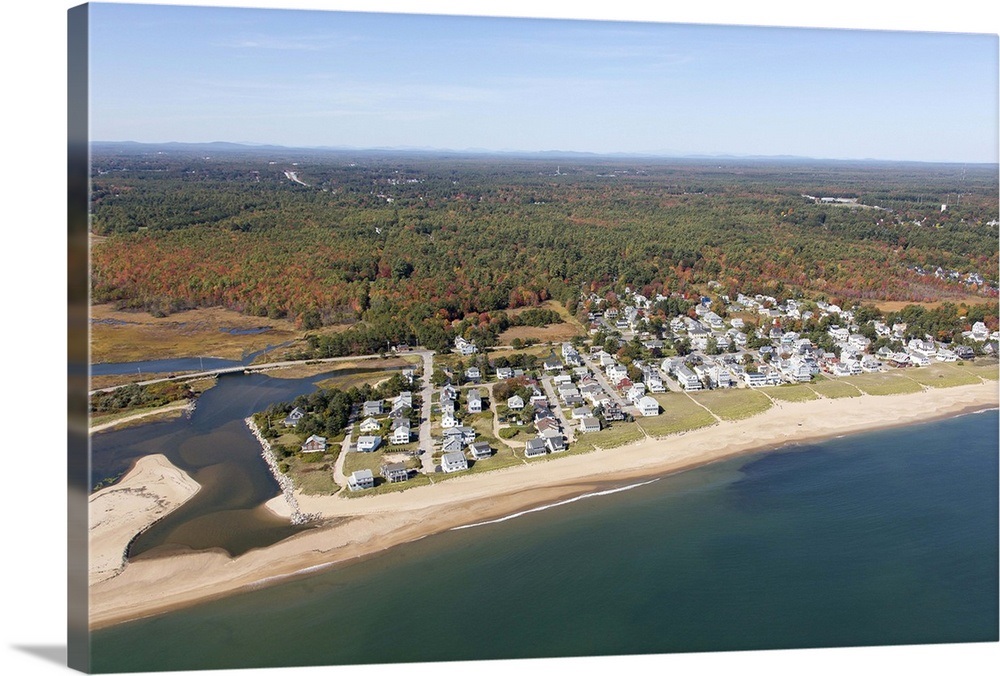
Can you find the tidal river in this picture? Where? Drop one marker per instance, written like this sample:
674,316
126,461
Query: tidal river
216,449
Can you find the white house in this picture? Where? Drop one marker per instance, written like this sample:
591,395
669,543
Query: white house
448,420
464,347
474,401
400,432
361,479
454,462
293,418
369,425
367,444
371,408
648,406
590,424
687,378
515,403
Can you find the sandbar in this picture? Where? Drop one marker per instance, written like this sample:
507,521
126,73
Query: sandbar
152,489
362,526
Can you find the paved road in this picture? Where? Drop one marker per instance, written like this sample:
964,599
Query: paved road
427,465
345,446
599,374
255,368
551,394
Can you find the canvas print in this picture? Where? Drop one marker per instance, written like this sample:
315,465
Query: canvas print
423,338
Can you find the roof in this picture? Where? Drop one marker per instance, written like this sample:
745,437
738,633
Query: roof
361,474
454,456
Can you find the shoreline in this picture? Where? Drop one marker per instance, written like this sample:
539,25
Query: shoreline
365,526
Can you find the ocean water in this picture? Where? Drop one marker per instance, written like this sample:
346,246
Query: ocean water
882,538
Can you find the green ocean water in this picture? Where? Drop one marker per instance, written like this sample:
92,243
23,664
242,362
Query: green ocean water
883,538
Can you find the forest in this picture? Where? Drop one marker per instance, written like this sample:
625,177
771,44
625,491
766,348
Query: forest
420,247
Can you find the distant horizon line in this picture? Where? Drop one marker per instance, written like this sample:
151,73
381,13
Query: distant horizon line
405,149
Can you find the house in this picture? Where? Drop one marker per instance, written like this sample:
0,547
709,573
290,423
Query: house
687,378
655,383
473,374
946,355
409,375
534,448
515,403
466,434
372,408
454,462
590,424
582,412
480,450
367,444
979,332
505,373
612,411
636,392
314,444
369,425
293,418
648,406
395,472
464,347
616,372
400,432
552,363
448,420
545,424
555,444
361,479
451,444
474,401
754,379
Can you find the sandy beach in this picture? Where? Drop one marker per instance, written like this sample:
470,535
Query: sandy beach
150,491
358,527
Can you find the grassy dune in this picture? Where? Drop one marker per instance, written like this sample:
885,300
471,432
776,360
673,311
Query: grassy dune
733,404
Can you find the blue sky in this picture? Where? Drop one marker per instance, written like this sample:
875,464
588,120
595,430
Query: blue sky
312,78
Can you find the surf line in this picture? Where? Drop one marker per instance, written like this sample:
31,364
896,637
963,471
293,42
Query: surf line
557,504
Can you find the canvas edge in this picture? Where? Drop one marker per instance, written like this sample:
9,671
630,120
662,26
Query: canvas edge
78,446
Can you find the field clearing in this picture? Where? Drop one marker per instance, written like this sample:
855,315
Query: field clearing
733,404
883,384
791,393
897,305
122,336
679,415
943,375
553,333
834,389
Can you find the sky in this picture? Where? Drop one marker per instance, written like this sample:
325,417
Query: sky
321,78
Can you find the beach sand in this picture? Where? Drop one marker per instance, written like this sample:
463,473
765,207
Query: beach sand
362,526
150,491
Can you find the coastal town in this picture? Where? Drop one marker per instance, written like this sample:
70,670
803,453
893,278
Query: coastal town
627,374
